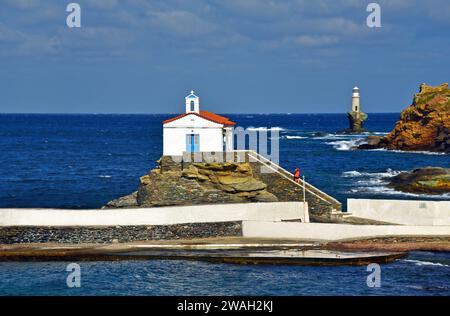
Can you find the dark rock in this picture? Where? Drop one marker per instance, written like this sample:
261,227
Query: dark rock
356,122
114,234
127,201
373,142
428,180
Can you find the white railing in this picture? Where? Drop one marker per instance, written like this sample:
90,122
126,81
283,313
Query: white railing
309,187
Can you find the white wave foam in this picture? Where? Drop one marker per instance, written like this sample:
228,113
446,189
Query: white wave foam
426,263
408,151
259,129
376,183
294,137
386,174
382,189
380,133
346,136
330,137
346,144
353,173
104,176
371,182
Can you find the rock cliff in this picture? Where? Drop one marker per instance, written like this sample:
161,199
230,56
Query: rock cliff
190,183
199,183
423,126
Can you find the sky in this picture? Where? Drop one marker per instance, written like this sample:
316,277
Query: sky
240,56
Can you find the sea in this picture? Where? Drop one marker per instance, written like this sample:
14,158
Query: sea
82,161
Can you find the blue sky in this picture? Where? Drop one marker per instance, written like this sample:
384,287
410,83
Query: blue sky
240,56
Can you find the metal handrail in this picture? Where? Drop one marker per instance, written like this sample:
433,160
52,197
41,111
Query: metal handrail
326,198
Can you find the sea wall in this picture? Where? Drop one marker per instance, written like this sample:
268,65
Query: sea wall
111,234
404,212
333,232
275,211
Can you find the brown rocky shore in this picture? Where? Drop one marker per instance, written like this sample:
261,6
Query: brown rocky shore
423,126
232,250
393,244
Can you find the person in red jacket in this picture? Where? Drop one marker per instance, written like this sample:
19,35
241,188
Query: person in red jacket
297,175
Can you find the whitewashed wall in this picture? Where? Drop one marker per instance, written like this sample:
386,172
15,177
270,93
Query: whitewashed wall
174,135
405,212
330,232
275,211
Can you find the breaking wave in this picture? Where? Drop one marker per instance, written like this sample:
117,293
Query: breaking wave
294,137
329,136
346,144
408,151
426,263
386,174
376,183
259,129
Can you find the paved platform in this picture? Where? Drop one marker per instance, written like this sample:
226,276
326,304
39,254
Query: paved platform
226,250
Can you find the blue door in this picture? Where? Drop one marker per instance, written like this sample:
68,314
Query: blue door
192,143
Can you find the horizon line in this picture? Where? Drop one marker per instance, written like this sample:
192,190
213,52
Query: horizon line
175,113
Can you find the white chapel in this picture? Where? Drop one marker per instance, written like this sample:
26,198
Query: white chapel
197,131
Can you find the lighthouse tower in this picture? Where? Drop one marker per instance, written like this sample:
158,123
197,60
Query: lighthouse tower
355,116
355,100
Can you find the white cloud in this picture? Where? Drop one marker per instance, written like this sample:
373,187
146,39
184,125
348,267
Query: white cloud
103,4
315,41
256,9
23,4
16,42
181,23
39,45
8,35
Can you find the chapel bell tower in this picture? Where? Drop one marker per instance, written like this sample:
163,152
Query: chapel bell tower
192,103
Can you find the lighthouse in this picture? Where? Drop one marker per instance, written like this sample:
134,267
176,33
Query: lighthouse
355,100
356,117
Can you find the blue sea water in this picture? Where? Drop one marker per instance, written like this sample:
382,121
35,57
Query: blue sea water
83,161
420,274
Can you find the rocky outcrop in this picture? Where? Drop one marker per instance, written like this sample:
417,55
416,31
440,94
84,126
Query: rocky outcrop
423,126
356,122
184,182
197,183
123,202
429,180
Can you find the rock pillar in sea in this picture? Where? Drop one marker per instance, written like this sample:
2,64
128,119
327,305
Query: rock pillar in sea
356,118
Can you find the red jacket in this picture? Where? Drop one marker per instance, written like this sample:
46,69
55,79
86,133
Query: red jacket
297,173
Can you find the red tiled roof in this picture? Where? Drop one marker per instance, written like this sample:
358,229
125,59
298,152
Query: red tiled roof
206,115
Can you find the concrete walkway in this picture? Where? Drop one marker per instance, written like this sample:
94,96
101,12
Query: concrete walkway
333,232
